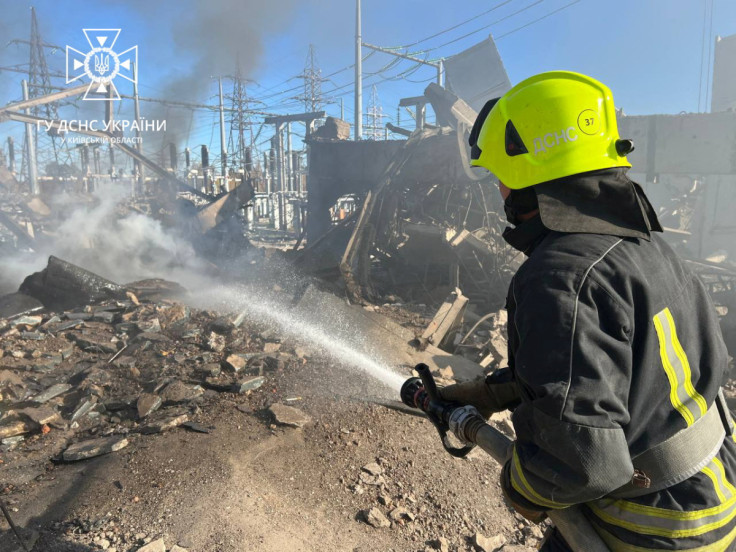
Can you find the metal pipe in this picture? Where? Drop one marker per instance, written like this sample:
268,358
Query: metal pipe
31,145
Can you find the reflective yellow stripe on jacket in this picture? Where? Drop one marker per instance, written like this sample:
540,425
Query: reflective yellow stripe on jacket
660,522
521,485
683,396
674,524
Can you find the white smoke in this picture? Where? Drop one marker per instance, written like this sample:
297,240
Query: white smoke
102,237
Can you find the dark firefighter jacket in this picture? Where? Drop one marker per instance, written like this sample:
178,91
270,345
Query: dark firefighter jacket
615,346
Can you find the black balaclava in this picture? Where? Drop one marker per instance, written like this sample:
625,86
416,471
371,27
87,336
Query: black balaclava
520,202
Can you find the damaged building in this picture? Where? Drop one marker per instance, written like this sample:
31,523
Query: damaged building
179,294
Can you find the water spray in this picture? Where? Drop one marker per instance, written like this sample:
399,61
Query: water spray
318,329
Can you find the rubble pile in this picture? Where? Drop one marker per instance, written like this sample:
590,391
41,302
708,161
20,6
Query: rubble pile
136,363
427,225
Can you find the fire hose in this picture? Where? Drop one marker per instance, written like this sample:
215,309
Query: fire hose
454,418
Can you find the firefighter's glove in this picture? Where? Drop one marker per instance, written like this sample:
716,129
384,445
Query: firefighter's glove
461,422
495,393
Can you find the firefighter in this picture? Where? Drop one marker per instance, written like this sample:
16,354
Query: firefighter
616,360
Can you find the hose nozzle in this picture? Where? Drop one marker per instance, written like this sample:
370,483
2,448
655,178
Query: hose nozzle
410,392
422,393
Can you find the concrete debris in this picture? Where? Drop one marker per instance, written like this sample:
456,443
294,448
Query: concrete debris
85,407
235,363
42,415
103,373
401,515
154,546
96,447
385,500
248,384
488,544
147,404
448,318
289,416
375,518
13,428
165,425
271,347
440,544
95,345
178,392
216,342
26,321
333,129
372,469
370,479
52,392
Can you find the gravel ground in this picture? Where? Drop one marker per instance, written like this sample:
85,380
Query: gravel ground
252,484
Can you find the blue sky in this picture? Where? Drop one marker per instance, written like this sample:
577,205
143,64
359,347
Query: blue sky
648,51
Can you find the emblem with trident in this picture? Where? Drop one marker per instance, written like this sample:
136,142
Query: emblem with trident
102,64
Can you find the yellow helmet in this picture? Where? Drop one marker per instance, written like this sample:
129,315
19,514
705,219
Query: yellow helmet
548,126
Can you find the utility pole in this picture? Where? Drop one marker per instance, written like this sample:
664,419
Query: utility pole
358,74
223,144
342,109
31,145
289,168
138,145
109,118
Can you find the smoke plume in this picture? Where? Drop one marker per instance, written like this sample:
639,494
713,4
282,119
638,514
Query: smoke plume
219,38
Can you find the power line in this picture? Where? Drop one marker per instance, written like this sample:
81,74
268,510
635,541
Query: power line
537,20
342,70
484,27
470,20
411,70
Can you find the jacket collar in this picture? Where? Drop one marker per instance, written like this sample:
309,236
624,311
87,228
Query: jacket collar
597,202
